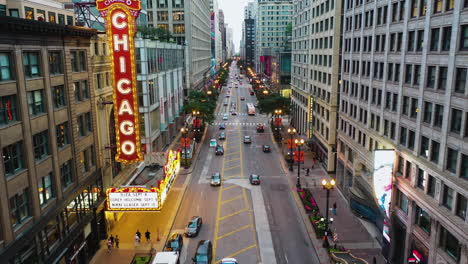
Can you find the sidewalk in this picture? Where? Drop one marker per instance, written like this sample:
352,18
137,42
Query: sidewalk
126,228
351,231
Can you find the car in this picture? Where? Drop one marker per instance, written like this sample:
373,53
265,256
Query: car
266,148
219,150
233,113
254,179
229,261
260,128
193,226
247,140
222,126
204,252
225,103
252,93
215,179
236,86
174,243
222,136
242,98
225,117
213,143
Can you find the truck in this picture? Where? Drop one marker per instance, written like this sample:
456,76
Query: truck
167,257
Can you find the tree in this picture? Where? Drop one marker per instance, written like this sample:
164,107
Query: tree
155,33
199,101
269,103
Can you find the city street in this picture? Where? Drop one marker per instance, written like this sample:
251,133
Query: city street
254,224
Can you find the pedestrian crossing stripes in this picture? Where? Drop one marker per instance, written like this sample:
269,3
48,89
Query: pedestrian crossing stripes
239,114
238,124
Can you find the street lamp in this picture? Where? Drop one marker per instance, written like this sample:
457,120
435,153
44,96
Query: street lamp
265,92
328,185
277,114
299,143
184,135
291,132
209,92
197,128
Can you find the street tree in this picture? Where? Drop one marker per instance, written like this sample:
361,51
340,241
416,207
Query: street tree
269,103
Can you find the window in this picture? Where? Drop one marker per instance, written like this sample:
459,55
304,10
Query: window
81,90
66,174
422,7
435,151
51,16
78,60
408,169
424,147
13,158
449,244
420,40
70,20
63,137
464,38
431,185
36,102
408,73
421,179
403,134
59,96
456,120
431,76
442,82
402,201
435,39
8,110
449,5
28,12
411,40
446,35
439,115
414,107
447,200
98,81
14,12
31,64
460,80
460,209
464,167
438,6
87,158
46,189
41,145
452,159
19,208
427,118
6,72
84,124
417,74
411,139
55,62
61,19
422,219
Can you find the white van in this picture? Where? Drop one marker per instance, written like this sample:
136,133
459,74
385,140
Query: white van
168,257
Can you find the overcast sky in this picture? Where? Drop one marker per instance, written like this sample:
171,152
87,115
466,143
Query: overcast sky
234,15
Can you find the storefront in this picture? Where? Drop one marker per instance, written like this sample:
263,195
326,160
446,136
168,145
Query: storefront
321,152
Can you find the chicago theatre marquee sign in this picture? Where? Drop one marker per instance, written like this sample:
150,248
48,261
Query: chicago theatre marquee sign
120,17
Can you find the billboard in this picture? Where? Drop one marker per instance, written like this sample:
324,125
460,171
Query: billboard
383,181
133,199
120,17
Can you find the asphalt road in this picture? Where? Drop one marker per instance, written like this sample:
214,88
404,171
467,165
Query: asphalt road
254,224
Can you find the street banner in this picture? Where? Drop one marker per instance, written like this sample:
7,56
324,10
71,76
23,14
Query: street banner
120,17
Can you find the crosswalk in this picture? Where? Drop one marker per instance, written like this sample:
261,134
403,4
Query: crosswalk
238,124
239,114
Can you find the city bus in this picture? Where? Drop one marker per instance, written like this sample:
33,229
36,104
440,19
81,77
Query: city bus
250,109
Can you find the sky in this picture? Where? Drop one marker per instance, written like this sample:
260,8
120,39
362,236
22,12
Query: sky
233,16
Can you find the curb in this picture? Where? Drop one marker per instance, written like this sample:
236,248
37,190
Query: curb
322,254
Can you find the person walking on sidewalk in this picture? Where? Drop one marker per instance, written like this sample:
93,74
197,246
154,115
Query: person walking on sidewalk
334,208
137,240
117,241
148,235
112,240
138,234
109,245
307,172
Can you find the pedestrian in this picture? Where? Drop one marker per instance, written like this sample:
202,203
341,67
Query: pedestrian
137,240
112,240
117,241
307,172
148,235
374,260
138,234
334,208
109,245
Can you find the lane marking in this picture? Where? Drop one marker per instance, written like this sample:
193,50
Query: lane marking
232,159
233,214
232,176
229,187
233,199
238,252
235,231
230,168
225,155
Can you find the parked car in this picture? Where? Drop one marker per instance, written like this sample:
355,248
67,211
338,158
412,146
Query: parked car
213,143
254,179
247,140
260,128
215,179
222,136
234,113
222,126
219,150
194,226
174,243
229,261
242,98
204,252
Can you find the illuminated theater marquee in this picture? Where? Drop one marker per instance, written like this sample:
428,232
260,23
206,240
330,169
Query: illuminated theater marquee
120,16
